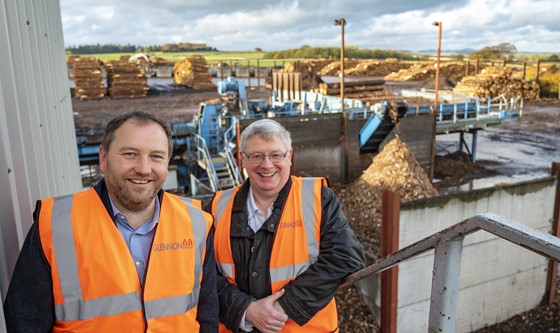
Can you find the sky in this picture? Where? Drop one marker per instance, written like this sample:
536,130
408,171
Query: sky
228,25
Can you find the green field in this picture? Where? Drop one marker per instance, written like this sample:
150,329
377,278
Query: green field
212,58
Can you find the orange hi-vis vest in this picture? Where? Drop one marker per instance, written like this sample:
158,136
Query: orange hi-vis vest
295,248
95,283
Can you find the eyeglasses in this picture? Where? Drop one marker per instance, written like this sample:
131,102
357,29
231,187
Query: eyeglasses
258,158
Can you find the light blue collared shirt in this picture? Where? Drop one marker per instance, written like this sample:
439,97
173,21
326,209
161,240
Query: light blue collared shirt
256,217
138,241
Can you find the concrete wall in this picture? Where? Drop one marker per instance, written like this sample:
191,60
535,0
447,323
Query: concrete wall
498,279
319,149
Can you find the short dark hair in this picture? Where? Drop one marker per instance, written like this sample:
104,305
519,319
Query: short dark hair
143,118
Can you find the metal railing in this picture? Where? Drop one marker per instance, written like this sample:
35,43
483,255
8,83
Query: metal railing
448,246
205,161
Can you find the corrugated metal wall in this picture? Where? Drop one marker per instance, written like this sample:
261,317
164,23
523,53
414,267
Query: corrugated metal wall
38,155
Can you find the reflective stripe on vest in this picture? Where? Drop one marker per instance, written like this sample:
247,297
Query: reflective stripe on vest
225,197
308,214
75,308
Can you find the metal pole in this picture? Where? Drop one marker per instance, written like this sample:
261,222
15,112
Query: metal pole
438,24
342,24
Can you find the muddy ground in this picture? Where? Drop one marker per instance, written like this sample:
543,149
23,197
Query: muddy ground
515,151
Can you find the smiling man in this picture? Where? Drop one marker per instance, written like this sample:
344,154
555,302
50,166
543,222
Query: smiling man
123,256
282,243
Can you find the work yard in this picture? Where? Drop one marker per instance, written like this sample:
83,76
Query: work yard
514,151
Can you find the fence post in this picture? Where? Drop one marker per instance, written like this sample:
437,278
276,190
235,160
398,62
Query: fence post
390,220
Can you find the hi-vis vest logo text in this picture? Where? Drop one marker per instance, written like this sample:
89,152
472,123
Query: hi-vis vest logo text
184,245
291,224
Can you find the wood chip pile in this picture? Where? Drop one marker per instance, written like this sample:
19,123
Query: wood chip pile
394,169
193,72
86,73
495,81
125,79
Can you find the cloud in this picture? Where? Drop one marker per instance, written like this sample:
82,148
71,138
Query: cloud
278,25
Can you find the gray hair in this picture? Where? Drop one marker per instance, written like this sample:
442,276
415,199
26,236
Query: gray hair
266,129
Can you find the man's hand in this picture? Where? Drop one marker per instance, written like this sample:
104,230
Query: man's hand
266,314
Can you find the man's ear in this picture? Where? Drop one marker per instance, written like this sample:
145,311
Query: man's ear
102,159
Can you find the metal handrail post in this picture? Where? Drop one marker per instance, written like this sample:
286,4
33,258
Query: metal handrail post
445,286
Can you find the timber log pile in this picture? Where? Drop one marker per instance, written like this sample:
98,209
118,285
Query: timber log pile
453,71
310,81
495,81
376,67
157,61
125,79
193,72
394,169
86,73
334,67
361,89
314,65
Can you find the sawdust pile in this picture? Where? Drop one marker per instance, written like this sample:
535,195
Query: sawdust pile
193,72
394,169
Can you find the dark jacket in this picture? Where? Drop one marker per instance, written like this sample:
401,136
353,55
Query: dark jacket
340,255
29,303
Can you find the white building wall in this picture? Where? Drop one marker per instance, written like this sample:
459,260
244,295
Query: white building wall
38,154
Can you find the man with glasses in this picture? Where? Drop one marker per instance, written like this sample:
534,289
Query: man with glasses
282,243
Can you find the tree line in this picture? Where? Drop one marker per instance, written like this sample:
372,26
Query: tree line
131,48
308,52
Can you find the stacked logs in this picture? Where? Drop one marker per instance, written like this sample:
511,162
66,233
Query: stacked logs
376,67
86,73
334,67
193,72
354,89
497,81
125,79
453,71
310,81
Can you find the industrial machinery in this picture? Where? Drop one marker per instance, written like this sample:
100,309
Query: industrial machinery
205,153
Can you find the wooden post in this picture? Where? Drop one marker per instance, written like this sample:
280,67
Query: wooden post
248,73
524,70
476,66
390,219
538,70
258,74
